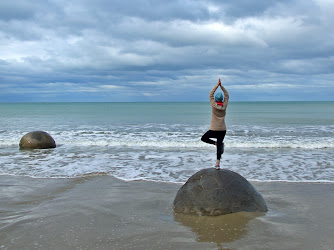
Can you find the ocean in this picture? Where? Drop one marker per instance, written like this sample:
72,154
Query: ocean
265,141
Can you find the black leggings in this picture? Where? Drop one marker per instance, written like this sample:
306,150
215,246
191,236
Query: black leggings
220,135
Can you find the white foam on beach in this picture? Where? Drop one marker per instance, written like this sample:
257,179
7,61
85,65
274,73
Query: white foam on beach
168,165
175,139
149,144
173,153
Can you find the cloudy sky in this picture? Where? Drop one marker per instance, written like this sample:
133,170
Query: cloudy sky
157,50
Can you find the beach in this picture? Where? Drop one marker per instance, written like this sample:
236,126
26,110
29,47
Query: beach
102,212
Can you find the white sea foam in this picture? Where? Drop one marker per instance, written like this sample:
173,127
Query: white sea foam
172,139
168,165
165,145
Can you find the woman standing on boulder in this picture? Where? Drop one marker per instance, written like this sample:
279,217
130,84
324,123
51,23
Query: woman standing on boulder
218,126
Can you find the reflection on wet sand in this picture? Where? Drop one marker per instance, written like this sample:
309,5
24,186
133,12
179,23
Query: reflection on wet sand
219,229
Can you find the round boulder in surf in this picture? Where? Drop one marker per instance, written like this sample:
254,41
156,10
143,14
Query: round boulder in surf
37,140
218,192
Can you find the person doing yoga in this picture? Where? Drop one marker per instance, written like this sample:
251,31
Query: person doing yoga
218,127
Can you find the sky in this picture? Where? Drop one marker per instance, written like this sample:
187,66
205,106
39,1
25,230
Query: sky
157,50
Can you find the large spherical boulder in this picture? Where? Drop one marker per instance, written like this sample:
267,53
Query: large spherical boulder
37,140
218,192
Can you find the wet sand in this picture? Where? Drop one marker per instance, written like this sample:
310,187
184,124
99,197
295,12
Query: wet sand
102,212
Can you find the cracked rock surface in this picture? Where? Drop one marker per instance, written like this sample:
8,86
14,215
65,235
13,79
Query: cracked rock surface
218,192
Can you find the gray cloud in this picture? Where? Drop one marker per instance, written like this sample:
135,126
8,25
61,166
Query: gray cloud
144,50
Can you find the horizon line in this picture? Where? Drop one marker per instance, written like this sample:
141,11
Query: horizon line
151,101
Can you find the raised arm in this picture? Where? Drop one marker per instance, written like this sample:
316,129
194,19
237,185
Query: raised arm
226,96
212,93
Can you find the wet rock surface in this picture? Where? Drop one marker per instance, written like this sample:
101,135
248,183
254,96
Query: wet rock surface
37,140
218,192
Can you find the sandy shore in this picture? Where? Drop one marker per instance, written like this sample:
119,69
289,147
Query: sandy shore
101,212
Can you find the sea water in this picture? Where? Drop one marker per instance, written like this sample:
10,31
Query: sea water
265,141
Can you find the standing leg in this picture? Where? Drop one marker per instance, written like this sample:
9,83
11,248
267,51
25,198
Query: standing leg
220,147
